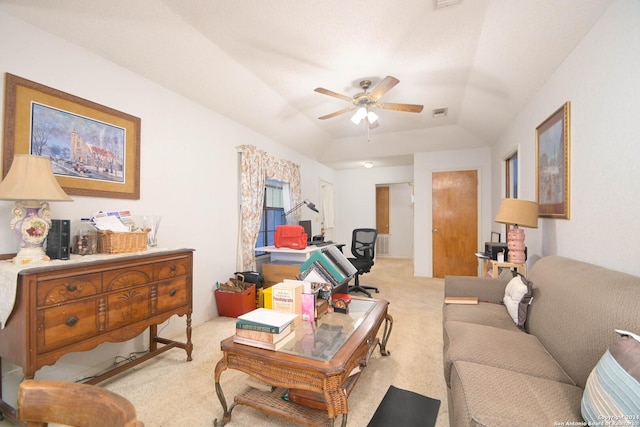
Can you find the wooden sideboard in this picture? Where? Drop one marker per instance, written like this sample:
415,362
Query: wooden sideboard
75,307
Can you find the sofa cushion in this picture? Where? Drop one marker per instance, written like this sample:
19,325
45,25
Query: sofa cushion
484,313
613,387
517,296
488,396
512,350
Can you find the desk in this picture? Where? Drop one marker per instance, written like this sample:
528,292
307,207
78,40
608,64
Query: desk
296,256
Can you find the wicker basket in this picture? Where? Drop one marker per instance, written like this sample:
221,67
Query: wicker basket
115,242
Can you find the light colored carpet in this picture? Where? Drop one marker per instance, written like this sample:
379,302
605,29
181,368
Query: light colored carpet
167,391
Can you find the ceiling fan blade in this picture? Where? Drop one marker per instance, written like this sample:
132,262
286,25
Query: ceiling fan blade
337,113
407,108
383,87
332,93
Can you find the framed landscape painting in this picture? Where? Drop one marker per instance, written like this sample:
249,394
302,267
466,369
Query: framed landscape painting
94,150
552,164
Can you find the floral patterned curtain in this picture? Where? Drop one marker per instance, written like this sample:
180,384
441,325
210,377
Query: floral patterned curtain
256,166
289,172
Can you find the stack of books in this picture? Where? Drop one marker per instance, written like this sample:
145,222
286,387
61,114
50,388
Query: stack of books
265,328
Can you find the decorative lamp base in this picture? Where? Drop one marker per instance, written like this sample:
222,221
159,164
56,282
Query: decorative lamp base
30,225
30,255
515,244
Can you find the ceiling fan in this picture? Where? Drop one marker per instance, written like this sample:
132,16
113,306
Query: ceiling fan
365,102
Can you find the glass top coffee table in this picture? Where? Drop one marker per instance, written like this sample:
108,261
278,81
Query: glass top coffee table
325,357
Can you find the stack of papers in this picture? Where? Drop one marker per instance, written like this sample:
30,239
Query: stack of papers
114,221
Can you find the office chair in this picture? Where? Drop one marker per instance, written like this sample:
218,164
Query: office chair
79,405
363,248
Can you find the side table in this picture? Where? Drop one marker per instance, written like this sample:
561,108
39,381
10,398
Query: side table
496,265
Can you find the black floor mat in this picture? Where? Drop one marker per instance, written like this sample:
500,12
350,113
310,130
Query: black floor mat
405,408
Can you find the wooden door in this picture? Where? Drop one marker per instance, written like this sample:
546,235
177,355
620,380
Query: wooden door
382,209
455,223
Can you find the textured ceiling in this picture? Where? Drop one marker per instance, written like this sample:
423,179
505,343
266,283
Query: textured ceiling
258,62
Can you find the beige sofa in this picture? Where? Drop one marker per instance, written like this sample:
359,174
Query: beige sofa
499,375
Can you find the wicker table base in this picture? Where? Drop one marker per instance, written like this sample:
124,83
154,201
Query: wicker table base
272,402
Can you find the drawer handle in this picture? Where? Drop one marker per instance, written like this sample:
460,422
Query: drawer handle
173,268
71,321
71,288
173,292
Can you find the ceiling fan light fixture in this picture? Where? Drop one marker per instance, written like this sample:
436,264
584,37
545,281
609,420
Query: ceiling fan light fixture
368,165
372,117
360,114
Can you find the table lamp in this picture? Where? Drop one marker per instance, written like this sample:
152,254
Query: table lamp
31,183
519,213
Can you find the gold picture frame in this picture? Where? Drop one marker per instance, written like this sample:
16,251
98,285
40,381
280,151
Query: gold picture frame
552,164
94,150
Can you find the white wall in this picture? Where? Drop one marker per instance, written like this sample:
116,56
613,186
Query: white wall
400,220
355,196
188,163
600,79
425,164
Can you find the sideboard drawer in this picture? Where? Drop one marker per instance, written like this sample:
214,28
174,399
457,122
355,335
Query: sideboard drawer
172,294
70,288
66,324
173,268
127,277
128,306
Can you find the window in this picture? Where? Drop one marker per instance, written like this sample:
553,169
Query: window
511,178
272,213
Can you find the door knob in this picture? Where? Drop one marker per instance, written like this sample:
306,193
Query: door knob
435,230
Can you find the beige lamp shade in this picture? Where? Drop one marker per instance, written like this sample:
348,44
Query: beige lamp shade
523,213
31,178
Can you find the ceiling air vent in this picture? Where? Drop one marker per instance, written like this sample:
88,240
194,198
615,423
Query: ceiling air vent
445,3
440,112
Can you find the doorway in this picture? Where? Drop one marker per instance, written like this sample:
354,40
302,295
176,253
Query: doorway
455,223
394,220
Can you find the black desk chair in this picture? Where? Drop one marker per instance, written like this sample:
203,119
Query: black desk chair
363,248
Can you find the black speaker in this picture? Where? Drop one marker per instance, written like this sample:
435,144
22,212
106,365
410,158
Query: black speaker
59,239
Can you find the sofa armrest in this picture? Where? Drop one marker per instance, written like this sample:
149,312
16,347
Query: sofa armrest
484,288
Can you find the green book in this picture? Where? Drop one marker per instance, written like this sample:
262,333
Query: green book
320,257
265,320
258,327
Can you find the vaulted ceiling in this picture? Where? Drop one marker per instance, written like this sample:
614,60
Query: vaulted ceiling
258,62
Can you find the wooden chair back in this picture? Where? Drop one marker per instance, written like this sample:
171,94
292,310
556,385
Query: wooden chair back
78,405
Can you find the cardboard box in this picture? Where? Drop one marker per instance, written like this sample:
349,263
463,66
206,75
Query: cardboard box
234,304
287,296
277,272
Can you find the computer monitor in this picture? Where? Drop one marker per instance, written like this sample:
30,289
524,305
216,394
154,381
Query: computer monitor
306,224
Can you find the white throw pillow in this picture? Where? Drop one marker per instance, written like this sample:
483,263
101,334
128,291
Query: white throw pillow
514,292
